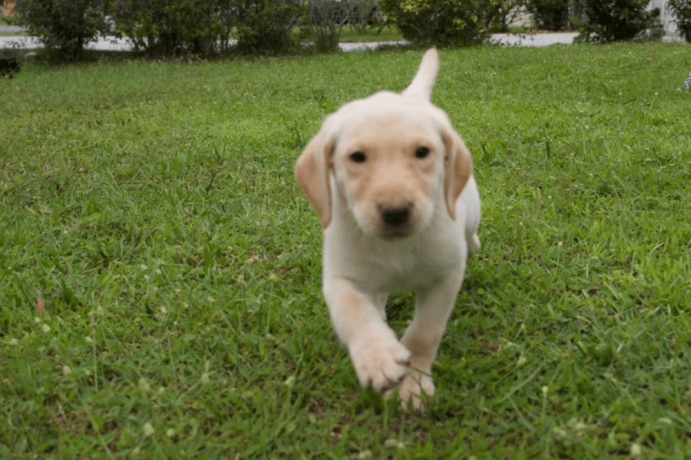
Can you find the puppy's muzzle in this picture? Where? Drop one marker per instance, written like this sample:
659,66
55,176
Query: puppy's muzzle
396,219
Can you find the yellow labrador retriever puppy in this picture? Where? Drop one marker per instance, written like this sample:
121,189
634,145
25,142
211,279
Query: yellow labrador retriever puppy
393,185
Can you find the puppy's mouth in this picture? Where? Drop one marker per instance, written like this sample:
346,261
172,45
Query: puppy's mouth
395,233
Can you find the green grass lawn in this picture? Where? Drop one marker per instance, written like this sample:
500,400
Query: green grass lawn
150,208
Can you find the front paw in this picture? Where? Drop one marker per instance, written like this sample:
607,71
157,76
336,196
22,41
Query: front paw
411,390
380,361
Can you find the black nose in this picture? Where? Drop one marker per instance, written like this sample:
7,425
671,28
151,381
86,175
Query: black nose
395,215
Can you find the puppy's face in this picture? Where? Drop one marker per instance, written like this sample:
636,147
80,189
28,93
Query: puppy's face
395,160
388,165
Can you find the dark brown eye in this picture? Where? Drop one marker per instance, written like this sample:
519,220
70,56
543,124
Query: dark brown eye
358,157
422,152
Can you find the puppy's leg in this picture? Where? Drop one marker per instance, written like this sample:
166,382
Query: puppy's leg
432,310
378,357
470,198
380,304
473,244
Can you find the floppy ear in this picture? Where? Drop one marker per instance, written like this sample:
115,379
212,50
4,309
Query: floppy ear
312,175
458,168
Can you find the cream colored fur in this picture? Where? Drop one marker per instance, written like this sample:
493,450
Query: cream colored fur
399,220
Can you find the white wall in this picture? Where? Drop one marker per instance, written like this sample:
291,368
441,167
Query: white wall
666,18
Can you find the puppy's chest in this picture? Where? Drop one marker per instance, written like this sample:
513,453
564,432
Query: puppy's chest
396,268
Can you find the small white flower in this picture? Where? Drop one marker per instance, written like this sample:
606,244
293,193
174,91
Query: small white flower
142,266
161,390
520,224
135,451
636,450
146,277
210,299
14,341
521,361
290,381
37,319
364,455
158,271
545,389
163,310
665,421
393,444
144,385
580,426
88,339
559,433
66,370
148,429
560,244
170,432
205,377
46,328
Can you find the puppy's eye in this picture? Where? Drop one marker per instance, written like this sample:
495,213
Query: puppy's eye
358,157
421,152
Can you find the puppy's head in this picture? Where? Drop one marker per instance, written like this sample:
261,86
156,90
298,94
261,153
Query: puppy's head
395,160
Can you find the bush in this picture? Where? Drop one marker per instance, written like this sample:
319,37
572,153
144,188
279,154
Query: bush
681,9
549,14
615,20
63,26
365,15
265,26
444,22
175,27
326,20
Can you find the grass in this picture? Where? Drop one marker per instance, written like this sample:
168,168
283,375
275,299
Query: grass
150,209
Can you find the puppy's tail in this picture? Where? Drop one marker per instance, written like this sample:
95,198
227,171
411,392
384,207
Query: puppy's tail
421,87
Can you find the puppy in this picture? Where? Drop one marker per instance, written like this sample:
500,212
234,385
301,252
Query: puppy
393,186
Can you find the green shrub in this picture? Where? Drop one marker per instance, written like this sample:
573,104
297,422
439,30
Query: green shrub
549,14
265,26
444,22
175,27
64,27
325,21
615,20
681,9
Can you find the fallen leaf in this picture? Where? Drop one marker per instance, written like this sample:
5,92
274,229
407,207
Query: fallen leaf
252,259
491,346
41,307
